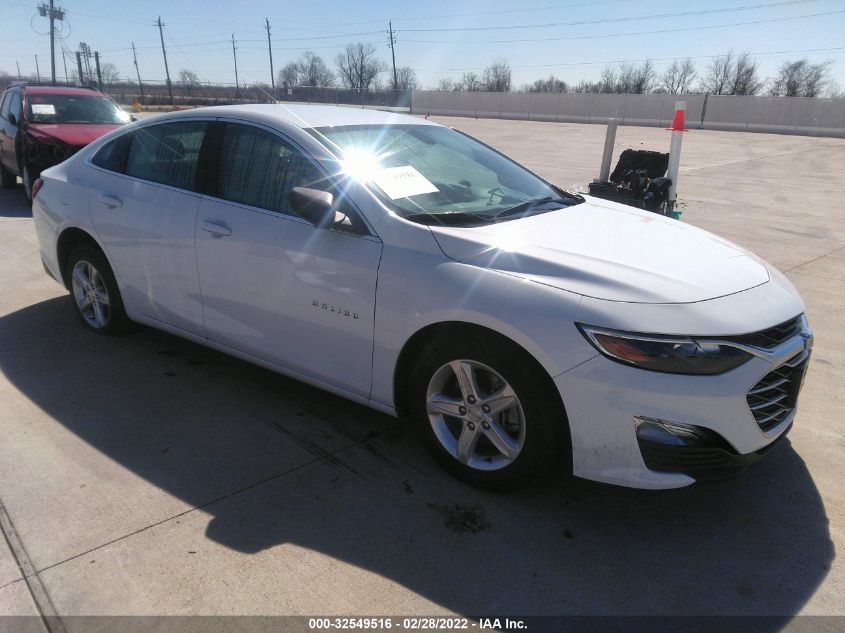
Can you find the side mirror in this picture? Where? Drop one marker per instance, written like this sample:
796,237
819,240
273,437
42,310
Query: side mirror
13,119
315,206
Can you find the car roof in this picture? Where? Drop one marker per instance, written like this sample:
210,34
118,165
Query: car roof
311,116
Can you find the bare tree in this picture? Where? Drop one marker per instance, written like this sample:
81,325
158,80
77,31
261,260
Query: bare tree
358,67
312,71
625,78
585,86
631,79
497,77
834,91
644,78
746,79
718,76
677,78
407,78
470,82
731,74
552,84
447,84
288,76
607,81
109,73
800,78
188,78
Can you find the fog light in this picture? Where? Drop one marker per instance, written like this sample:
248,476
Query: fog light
665,432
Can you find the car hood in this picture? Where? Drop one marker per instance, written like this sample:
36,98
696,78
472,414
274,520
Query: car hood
609,251
70,133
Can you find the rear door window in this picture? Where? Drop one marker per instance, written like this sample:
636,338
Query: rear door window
167,153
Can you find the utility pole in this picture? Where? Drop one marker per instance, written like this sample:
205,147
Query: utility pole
99,76
166,69
49,11
86,56
52,44
235,55
19,70
64,62
37,72
270,48
135,58
79,67
392,43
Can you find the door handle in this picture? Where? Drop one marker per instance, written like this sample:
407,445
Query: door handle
216,229
109,201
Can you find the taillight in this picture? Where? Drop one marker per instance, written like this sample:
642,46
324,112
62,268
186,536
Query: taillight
36,187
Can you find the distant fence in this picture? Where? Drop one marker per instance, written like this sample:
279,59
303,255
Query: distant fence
202,94
780,115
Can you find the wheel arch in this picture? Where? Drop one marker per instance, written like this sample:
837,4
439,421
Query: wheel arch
69,239
416,345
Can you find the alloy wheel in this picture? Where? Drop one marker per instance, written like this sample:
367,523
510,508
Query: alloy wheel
90,294
476,415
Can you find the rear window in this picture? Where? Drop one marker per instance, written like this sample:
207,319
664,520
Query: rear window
112,155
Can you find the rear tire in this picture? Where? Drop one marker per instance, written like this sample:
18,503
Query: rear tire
94,292
7,178
501,429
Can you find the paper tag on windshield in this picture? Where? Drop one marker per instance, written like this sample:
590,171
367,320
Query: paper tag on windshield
43,108
403,182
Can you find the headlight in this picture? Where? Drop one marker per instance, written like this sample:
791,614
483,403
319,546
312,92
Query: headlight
668,354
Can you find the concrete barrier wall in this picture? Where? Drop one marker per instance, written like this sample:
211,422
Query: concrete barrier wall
797,115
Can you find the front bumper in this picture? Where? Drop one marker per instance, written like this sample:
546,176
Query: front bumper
602,398
714,460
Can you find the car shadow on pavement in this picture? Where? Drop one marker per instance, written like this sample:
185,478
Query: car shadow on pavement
13,203
370,497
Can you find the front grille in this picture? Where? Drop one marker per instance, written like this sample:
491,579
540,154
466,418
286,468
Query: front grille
771,337
773,399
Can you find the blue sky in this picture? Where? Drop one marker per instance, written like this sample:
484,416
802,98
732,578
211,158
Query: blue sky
571,39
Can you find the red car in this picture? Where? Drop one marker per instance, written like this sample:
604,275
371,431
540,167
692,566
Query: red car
42,125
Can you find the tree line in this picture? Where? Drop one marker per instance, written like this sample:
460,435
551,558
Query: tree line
727,74
358,68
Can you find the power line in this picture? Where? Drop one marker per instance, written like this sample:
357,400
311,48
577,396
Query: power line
185,56
654,16
603,35
507,27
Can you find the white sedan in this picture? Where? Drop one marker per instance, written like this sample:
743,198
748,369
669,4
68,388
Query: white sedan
406,266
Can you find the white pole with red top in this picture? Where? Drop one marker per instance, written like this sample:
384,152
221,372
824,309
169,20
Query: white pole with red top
677,130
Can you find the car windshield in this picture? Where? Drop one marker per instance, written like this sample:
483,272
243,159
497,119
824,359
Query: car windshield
47,108
436,175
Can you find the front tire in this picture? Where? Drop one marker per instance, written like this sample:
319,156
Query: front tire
28,176
94,292
487,412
